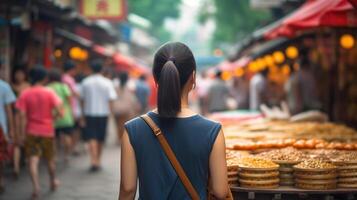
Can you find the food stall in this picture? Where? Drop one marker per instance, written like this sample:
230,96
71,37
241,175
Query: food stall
279,159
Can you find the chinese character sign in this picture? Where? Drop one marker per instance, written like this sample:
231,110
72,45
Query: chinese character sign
104,9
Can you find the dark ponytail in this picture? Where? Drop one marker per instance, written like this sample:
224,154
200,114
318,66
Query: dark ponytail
169,93
173,66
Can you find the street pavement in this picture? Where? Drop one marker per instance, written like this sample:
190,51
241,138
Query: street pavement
77,182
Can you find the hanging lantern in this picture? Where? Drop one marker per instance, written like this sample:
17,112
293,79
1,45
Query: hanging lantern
347,41
75,53
83,55
269,60
226,75
261,64
253,66
292,52
278,57
57,53
239,72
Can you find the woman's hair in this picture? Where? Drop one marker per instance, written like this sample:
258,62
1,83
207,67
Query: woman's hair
54,75
174,63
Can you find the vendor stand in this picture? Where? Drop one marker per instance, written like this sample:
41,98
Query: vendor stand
264,142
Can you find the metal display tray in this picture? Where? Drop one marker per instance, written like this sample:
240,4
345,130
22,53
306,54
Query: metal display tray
291,193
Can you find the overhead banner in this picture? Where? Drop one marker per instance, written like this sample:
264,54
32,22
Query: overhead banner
113,10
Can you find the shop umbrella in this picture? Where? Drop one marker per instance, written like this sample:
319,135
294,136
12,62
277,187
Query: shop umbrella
315,14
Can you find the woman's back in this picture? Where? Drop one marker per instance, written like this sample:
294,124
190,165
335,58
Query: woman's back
190,138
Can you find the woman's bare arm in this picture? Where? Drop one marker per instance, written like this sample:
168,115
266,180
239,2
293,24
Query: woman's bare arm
218,168
128,173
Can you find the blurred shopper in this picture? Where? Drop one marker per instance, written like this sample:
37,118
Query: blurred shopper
218,94
20,84
240,92
126,106
7,97
257,89
306,87
70,72
37,105
197,142
97,93
142,92
64,125
292,93
203,86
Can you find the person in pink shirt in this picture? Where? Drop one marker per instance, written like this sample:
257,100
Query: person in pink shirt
37,105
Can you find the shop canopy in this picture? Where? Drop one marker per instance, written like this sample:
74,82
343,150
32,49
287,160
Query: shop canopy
122,62
314,14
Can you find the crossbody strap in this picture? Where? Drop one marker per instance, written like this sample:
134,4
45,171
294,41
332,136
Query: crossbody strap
171,156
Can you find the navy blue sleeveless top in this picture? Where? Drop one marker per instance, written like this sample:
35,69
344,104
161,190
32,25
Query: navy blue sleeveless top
190,138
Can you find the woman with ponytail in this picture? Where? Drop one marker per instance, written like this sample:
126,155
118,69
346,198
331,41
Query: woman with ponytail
197,143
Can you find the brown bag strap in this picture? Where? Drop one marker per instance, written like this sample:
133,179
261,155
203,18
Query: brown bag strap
171,156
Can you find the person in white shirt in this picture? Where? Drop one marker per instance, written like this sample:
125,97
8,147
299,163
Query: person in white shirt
257,88
97,93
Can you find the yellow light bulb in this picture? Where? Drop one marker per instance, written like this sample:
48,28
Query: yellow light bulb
347,41
292,52
278,57
239,72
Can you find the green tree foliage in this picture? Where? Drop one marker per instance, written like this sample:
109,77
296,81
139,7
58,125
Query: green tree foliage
156,11
235,19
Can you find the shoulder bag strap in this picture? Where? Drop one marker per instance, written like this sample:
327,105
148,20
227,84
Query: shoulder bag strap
171,156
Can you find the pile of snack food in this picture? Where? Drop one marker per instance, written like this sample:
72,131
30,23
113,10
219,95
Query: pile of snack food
258,173
306,135
318,169
315,174
347,170
232,165
286,158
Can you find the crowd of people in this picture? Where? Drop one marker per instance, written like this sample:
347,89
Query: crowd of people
44,111
299,91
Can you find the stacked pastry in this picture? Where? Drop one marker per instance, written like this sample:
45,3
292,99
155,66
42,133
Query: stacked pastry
232,166
258,173
315,174
286,158
347,170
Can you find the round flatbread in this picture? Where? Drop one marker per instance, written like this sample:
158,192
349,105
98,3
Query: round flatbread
316,177
259,182
259,175
271,186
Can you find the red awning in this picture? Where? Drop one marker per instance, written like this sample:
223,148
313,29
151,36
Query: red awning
122,62
316,13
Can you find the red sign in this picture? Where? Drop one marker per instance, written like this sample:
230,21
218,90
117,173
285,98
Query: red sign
113,10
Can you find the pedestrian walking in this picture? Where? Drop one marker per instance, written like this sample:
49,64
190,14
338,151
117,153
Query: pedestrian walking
198,143
240,92
126,106
69,69
97,93
142,92
64,126
19,85
39,107
203,85
258,86
218,94
7,97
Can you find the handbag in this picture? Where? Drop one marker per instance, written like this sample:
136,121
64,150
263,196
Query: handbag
174,162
